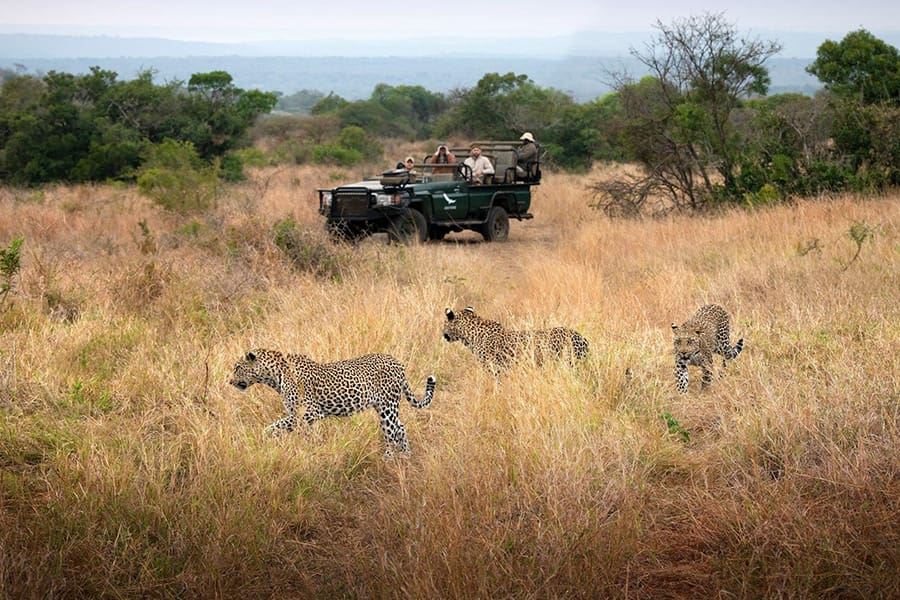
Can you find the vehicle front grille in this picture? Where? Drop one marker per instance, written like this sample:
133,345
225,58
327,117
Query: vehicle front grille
350,203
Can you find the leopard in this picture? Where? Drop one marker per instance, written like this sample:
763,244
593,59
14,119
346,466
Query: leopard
498,348
336,389
705,333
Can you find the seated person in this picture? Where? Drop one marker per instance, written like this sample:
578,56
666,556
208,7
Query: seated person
480,165
527,153
443,156
408,163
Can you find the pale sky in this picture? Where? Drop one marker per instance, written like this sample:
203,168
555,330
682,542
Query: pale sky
255,20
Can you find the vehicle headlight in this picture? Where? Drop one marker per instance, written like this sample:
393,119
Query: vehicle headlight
326,199
388,199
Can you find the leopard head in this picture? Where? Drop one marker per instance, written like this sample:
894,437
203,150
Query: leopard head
459,326
687,343
255,367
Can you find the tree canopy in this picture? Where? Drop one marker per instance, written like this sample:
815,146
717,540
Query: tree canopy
92,127
860,67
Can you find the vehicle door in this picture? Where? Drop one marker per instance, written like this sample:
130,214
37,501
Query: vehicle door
449,200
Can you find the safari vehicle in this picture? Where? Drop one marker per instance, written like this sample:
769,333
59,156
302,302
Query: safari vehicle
431,200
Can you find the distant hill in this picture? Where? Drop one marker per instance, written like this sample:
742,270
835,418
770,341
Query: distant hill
579,64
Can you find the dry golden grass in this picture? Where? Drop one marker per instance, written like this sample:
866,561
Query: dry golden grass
129,468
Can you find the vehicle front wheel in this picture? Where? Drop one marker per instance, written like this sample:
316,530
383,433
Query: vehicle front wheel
408,228
496,228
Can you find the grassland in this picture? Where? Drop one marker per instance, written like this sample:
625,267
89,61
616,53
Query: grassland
129,468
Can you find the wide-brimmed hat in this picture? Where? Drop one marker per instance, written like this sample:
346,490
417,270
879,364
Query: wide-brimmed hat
409,159
527,136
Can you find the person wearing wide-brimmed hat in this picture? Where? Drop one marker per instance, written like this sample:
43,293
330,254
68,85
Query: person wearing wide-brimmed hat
526,154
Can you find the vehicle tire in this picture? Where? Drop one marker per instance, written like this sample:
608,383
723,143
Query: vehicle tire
496,228
409,228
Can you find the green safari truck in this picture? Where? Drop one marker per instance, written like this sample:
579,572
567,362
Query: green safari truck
431,200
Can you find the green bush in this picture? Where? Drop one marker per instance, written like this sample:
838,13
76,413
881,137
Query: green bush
9,267
231,168
174,177
252,157
336,154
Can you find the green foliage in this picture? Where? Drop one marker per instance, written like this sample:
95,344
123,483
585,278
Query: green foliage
85,399
860,67
252,157
356,138
860,233
231,168
92,127
353,146
679,120
584,133
862,73
175,177
401,111
502,107
675,428
868,136
331,103
300,103
335,154
766,195
10,263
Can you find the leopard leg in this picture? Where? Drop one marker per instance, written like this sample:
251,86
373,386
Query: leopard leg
681,376
287,422
392,430
707,375
282,425
310,416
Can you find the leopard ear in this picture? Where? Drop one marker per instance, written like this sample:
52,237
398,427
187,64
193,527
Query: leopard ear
450,315
674,327
251,357
469,310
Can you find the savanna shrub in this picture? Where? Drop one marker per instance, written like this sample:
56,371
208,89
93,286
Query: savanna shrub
231,168
335,154
310,251
174,177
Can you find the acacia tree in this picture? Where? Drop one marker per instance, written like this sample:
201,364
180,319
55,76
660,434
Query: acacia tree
680,118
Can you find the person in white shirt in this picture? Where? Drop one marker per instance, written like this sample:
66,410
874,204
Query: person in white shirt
480,165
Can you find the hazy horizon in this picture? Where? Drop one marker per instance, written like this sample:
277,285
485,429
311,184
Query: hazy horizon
230,21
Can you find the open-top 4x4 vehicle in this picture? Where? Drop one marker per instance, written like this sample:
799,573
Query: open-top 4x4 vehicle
431,200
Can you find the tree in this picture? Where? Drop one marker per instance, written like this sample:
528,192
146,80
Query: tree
502,107
859,67
221,112
787,146
331,103
586,132
300,103
680,118
93,127
863,75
